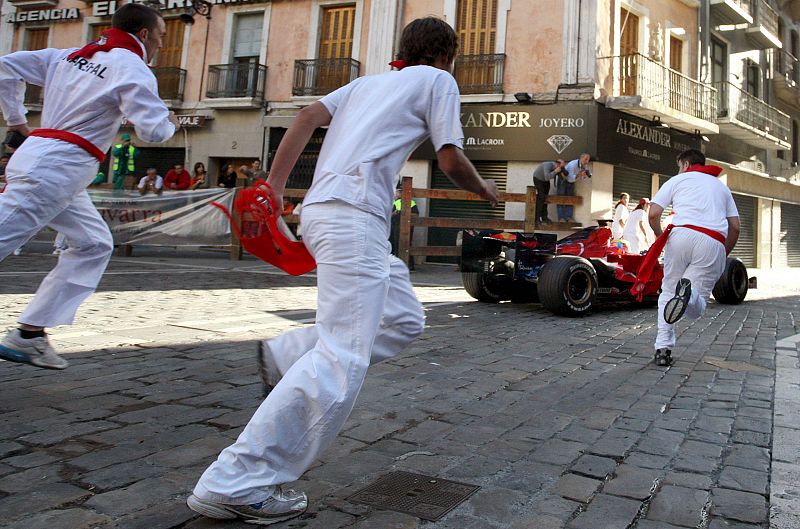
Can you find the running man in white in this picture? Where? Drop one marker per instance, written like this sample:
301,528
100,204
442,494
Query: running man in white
87,92
706,228
366,307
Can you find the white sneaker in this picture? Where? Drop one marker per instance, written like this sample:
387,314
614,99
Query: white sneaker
57,251
34,351
18,251
282,505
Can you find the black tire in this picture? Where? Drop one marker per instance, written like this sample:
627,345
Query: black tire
524,292
731,288
483,287
568,285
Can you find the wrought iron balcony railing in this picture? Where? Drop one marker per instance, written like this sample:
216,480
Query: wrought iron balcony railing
317,77
788,66
236,80
480,74
765,15
637,75
34,95
737,104
171,81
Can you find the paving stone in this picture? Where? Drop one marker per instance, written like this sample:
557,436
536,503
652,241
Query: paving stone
31,459
689,480
614,443
63,519
8,448
640,459
496,504
594,466
649,524
744,479
136,497
558,452
678,506
632,482
578,488
660,442
606,512
741,506
752,457
40,498
721,523
31,478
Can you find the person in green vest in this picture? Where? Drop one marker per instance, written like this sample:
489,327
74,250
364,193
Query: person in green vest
125,155
394,235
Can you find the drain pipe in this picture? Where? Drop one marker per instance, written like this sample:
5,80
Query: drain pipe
704,22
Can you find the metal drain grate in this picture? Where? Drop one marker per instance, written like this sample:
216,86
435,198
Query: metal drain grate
425,497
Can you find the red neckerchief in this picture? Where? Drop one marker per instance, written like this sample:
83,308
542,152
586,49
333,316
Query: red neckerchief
109,39
399,64
713,170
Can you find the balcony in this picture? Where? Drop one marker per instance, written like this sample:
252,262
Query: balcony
317,77
34,97
751,120
480,74
31,4
646,88
731,12
763,33
786,78
238,85
170,83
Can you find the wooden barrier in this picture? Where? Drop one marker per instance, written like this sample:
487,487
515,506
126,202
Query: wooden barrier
408,220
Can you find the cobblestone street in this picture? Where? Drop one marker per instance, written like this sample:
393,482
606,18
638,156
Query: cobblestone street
563,423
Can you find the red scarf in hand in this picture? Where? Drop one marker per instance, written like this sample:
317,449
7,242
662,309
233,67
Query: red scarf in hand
109,39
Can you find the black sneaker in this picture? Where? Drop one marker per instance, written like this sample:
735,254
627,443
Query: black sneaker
663,357
674,309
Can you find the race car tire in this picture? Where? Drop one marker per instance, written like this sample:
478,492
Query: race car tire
568,285
480,286
731,288
525,292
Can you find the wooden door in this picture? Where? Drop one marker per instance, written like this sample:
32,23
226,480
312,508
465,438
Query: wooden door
335,48
629,52
476,26
676,53
677,100
169,56
36,39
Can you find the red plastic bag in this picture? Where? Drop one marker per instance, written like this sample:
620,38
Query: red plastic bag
262,236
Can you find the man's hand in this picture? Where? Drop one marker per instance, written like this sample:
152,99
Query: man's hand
489,192
174,120
22,129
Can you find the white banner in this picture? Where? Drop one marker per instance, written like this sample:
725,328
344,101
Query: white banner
174,218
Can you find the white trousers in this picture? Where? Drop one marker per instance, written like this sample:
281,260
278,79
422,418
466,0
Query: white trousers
697,257
47,182
366,312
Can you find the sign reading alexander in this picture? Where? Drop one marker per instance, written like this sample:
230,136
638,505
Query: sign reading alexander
44,15
524,132
623,139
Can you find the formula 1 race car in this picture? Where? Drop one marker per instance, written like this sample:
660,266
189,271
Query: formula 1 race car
570,275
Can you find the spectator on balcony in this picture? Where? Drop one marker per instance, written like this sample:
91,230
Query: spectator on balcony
125,155
542,175
621,214
253,173
151,183
177,178
574,170
198,176
227,177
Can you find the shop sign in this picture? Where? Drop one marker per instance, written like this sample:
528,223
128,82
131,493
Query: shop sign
44,15
515,132
624,139
107,7
190,122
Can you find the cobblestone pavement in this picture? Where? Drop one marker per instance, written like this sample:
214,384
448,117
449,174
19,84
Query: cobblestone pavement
564,423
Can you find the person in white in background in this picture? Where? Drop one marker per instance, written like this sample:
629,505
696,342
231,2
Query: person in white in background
704,230
636,232
366,311
87,92
621,213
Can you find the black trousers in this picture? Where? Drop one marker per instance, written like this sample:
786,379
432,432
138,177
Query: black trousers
542,190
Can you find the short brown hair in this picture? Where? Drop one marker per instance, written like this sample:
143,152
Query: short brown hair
426,39
134,17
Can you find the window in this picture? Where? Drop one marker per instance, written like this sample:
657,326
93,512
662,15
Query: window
751,78
336,38
247,40
36,39
629,52
169,56
719,75
476,25
675,53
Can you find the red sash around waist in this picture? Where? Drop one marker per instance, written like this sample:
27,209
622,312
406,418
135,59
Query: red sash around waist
650,260
72,138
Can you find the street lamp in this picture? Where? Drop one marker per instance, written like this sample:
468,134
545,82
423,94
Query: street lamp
199,7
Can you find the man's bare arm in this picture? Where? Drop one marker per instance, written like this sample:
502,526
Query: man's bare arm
654,216
307,121
734,226
460,170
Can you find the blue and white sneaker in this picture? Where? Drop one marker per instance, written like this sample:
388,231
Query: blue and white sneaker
34,351
282,505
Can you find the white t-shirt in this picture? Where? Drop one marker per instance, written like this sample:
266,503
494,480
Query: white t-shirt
698,199
159,182
377,122
620,214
